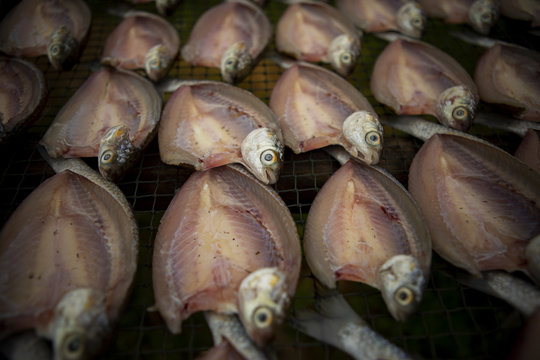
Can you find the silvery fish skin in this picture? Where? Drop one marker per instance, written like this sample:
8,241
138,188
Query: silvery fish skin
528,150
316,32
113,115
405,16
229,36
481,15
164,7
68,256
413,77
23,93
317,108
527,10
227,245
142,41
364,226
56,28
510,75
209,123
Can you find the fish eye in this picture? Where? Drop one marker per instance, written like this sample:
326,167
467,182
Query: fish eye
460,113
55,49
73,346
107,157
486,17
230,63
373,138
404,296
417,22
269,157
263,317
346,58
155,63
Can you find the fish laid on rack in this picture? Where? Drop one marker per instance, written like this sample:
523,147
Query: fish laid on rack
113,115
23,93
142,41
227,245
316,32
207,124
317,108
481,15
526,10
68,255
414,78
528,150
56,28
230,36
404,16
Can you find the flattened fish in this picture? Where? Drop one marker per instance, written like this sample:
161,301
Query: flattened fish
481,15
413,77
229,36
227,245
510,75
68,256
142,40
113,116
528,150
317,32
23,93
317,108
405,16
56,28
526,10
209,123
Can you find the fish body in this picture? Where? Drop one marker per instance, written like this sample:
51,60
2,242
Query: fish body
229,36
113,115
316,32
317,108
23,93
142,41
57,28
68,256
413,77
526,10
208,123
528,150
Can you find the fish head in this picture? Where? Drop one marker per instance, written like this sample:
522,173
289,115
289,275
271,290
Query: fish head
157,62
364,131
62,49
263,300
166,7
80,324
483,14
236,62
343,52
262,152
411,19
115,152
456,107
402,284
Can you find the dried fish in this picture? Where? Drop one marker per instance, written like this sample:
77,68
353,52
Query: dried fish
526,10
68,256
229,36
317,108
209,123
23,93
528,150
56,28
142,40
113,116
317,32
413,77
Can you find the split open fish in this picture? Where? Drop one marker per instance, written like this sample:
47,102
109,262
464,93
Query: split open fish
526,10
113,116
68,255
230,36
316,32
404,16
142,41
209,123
226,245
414,78
56,28
23,93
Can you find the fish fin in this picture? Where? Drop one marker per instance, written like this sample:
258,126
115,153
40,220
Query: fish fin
478,40
517,126
169,85
338,153
120,10
281,60
392,35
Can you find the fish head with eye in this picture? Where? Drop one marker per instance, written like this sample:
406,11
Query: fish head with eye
402,284
456,107
343,52
365,133
483,14
411,19
116,152
62,49
80,324
236,62
262,154
157,62
166,7
263,301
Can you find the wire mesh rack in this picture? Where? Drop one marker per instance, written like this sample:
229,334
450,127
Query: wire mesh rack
452,322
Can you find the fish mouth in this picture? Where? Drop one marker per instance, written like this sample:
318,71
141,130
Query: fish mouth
271,176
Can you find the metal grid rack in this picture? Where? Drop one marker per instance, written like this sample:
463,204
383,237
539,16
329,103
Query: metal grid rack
453,322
